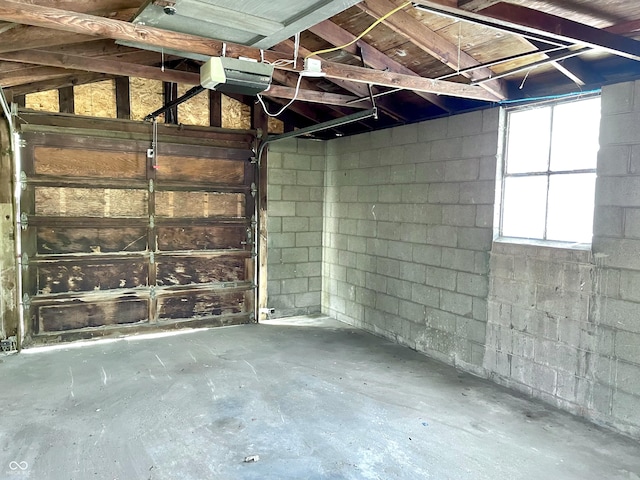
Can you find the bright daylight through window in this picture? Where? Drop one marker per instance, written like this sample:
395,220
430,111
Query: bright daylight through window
550,171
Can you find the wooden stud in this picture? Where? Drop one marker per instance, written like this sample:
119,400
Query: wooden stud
123,98
215,108
66,100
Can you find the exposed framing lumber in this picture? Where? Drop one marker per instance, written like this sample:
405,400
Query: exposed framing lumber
66,100
431,42
123,98
313,96
98,26
516,18
373,57
215,108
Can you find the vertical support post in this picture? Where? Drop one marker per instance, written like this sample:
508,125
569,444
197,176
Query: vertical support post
215,108
260,121
66,100
123,102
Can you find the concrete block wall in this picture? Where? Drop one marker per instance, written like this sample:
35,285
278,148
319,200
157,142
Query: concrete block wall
295,194
408,230
616,248
541,338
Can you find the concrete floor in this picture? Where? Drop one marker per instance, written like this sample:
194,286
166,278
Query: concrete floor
313,398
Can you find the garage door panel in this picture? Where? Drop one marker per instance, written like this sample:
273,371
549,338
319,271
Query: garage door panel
90,163
177,204
90,202
201,237
193,270
200,170
91,277
72,316
199,305
65,240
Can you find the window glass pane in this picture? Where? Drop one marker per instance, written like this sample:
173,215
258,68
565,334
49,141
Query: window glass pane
571,201
524,206
576,127
528,140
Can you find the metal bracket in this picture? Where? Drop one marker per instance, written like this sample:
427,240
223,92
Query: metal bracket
152,293
23,180
254,190
24,261
24,221
22,143
152,221
26,302
152,258
253,159
151,185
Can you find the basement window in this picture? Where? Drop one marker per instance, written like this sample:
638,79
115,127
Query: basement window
549,171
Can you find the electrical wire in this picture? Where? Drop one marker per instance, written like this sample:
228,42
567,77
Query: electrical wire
295,96
371,27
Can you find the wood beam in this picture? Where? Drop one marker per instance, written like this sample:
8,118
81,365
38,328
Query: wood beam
313,96
432,43
56,83
39,57
66,100
516,18
123,98
215,108
373,57
98,26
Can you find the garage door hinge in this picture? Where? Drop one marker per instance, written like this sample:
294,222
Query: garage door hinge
152,293
22,143
23,180
152,221
253,159
152,258
254,190
151,185
24,261
24,221
26,302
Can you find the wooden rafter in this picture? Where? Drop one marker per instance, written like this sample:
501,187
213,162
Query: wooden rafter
431,42
373,57
98,26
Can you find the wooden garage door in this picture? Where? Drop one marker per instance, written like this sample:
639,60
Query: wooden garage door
111,243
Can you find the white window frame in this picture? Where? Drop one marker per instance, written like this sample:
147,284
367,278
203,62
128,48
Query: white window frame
501,175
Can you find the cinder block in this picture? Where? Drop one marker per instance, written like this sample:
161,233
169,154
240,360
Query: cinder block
620,128
273,255
285,145
380,138
388,267
418,153
311,147
282,209
480,309
274,192
309,299
389,230
459,215
375,282
483,145
377,247
571,305
412,272
400,250
311,178
457,259
399,288
441,321
456,303
402,174
415,193
387,303
447,149
465,124
295,255
477,193
628,378
357,244
367,194
356,277
404,134
296,161
616,253
630,287
273,288
432,172
625,408
413,312
347,259
471,329
618,191
442,235
631,222
318,162
390,193
490,119
474,238
390,155
441,278
366,297
295,193
425,213
308,209
315,284
295,224
433,130
282,271
470,284
516,293
295,285
425,295
274,224
281,240
413,232
614,160
427,254
308,239
609,220
617,98
315,254
578,277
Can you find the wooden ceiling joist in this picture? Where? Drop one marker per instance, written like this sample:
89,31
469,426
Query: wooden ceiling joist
431,42
98,26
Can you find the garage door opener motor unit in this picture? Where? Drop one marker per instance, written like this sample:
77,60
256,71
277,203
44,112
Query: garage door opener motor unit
233,75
